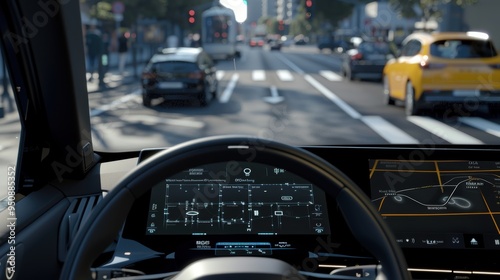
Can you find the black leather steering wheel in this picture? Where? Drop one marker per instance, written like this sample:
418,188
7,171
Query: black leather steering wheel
108,217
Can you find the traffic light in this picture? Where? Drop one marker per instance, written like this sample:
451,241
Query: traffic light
309,9
191,16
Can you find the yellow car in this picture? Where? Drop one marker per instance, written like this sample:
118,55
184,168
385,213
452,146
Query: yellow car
444,68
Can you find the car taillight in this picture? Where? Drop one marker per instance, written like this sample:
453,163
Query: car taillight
357,56
148,76
196,75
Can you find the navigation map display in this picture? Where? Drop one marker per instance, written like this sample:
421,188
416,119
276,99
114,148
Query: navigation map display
237,198
444,204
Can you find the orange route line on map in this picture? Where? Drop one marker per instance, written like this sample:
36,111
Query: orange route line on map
374,168
491,213
439,176
381,203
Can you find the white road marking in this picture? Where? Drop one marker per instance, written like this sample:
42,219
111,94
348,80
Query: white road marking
333,97
220,74
115,103
482,124
228,91
388,131
284,75
330,75
274,98
258,75
154,120
444,131
290,64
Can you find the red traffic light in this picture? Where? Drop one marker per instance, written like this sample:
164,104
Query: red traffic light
309,3
191,16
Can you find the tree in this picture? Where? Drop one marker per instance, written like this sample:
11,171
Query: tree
140,8
151,9
157,9
300,24
426,9
328,11
323,13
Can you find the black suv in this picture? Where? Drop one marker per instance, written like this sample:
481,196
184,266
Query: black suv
180,74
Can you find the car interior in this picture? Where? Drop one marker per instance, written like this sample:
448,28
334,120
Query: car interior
226,206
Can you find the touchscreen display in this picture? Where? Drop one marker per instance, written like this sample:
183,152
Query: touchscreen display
444,204
237,198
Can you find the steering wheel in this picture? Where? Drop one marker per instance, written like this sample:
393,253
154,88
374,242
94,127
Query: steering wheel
109,215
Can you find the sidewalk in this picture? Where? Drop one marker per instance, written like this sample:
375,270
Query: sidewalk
114,79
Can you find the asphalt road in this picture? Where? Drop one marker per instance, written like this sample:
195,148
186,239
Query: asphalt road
295,95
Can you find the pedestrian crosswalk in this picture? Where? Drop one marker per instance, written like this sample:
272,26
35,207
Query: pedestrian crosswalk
455,132
282,75
444,131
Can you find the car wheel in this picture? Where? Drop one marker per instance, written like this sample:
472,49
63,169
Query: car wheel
215,92
388,100
348,74
146,100
411,107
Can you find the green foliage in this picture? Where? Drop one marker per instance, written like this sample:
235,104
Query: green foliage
324,13
332,11
174,11
102,11
134,9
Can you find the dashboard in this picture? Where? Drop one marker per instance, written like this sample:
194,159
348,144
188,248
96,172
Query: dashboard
442,205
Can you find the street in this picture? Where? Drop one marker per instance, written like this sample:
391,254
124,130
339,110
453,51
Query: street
269,94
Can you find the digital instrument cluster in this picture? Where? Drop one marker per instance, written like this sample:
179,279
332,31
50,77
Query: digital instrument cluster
236,198
232,208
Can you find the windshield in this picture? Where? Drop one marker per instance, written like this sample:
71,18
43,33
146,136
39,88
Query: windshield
293,92
403,97
463,49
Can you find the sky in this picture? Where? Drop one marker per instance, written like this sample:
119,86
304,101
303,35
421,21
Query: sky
239,7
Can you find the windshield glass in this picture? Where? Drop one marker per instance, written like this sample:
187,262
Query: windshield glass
463,49
306,90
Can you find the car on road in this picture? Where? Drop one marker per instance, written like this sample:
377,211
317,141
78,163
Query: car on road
444,68
301,40
327,43
366,61
275,44
258,41
179,74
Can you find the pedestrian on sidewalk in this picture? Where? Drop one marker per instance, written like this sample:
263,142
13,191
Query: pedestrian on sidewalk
123,46
93,43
